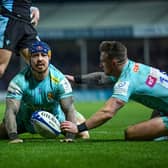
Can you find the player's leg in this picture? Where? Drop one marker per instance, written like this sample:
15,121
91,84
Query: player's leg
8,41
156,113
148,130
80,119
25,54
29,37
5,56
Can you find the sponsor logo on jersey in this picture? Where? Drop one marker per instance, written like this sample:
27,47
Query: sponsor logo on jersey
136,67
158,76
163,80
121,88
50,95
151,81
54,79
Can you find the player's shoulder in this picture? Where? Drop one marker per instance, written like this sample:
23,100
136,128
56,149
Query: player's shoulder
135,69
19,81
131,73
55,74
22,75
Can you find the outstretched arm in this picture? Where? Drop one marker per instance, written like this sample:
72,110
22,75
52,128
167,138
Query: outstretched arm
100,117
12,108
97,78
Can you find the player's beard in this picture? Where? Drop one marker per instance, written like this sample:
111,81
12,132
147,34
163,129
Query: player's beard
40,73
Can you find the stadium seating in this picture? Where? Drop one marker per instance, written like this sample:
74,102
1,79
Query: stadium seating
91,15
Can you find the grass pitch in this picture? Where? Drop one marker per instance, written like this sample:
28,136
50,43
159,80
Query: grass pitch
106,147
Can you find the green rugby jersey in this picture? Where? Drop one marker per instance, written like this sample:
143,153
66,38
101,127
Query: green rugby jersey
39,95
144,84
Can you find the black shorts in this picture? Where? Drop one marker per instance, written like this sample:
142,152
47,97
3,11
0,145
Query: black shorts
16,34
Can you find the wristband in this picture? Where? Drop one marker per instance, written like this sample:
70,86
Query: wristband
82,127
78,79
13,136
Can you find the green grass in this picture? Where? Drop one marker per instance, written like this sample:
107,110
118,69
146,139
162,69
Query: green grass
106,148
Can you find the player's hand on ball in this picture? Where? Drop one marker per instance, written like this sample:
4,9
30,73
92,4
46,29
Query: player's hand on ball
68,126
14,141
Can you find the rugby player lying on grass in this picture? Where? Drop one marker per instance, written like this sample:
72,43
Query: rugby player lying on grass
131,81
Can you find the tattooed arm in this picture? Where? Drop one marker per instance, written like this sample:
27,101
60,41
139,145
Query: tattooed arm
69,110
96,78
12,108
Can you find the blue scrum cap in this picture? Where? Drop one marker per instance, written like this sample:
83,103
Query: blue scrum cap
40,46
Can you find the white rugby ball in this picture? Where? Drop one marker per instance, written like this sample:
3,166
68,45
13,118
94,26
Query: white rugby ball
46,124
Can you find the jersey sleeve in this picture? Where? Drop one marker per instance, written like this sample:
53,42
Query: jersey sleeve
65,89
62,86
122,90
15,88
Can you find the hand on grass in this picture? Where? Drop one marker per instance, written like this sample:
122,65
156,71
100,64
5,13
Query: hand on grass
14,141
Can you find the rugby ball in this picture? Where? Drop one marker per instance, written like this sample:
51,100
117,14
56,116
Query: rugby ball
46,124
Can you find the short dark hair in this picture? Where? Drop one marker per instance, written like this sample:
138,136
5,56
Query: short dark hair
114,49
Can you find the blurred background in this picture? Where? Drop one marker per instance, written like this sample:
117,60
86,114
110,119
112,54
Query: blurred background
75,29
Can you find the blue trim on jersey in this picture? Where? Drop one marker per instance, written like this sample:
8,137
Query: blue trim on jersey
8,4
3,23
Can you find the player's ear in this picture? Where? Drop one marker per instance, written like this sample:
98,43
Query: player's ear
114,62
